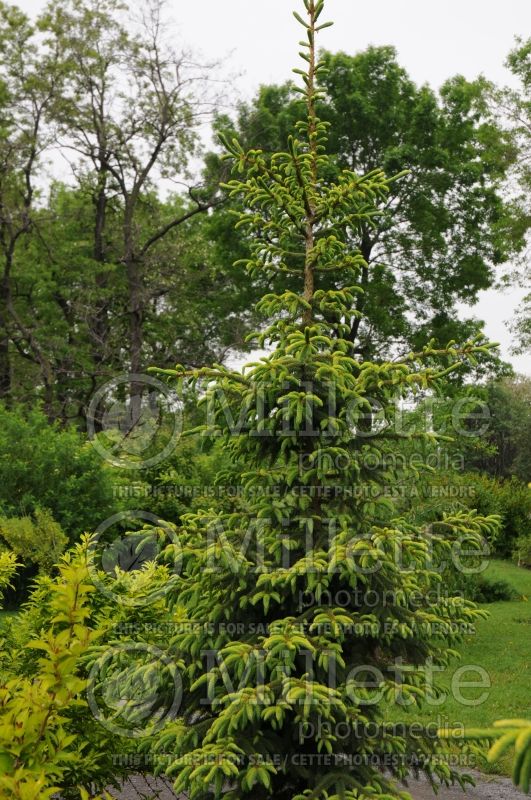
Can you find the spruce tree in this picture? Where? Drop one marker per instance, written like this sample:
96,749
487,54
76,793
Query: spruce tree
307,612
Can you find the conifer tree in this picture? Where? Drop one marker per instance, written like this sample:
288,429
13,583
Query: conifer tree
310,610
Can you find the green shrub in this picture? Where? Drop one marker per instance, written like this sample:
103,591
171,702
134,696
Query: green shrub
511,500
178,485
522,551
493,591
54,658
8,568
475,587
449,491
43,466
39,751
36,540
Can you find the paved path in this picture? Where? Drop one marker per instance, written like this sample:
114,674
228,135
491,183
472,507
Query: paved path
488,787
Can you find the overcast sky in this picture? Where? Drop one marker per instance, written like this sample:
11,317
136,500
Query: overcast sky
256,41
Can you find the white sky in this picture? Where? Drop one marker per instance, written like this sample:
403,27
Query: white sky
257,42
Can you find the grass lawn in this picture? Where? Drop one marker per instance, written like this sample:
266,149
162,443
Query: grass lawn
502,647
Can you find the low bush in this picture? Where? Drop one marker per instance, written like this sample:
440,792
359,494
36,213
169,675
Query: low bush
43,466
486,591
59,658
38,749
449,491
511,500
8,568
180,484
38,540
522,551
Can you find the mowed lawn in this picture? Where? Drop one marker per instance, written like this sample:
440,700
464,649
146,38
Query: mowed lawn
502,647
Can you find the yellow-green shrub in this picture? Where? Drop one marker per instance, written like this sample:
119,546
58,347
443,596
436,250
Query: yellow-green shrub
39,752
8,567
36,540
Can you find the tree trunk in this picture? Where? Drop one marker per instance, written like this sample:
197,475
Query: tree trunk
5,357
366,250
5,354
100,322
136,311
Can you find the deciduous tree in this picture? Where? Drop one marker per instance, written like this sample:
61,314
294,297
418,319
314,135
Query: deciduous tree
446,229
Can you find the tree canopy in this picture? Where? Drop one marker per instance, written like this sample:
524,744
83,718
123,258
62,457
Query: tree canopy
446,228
